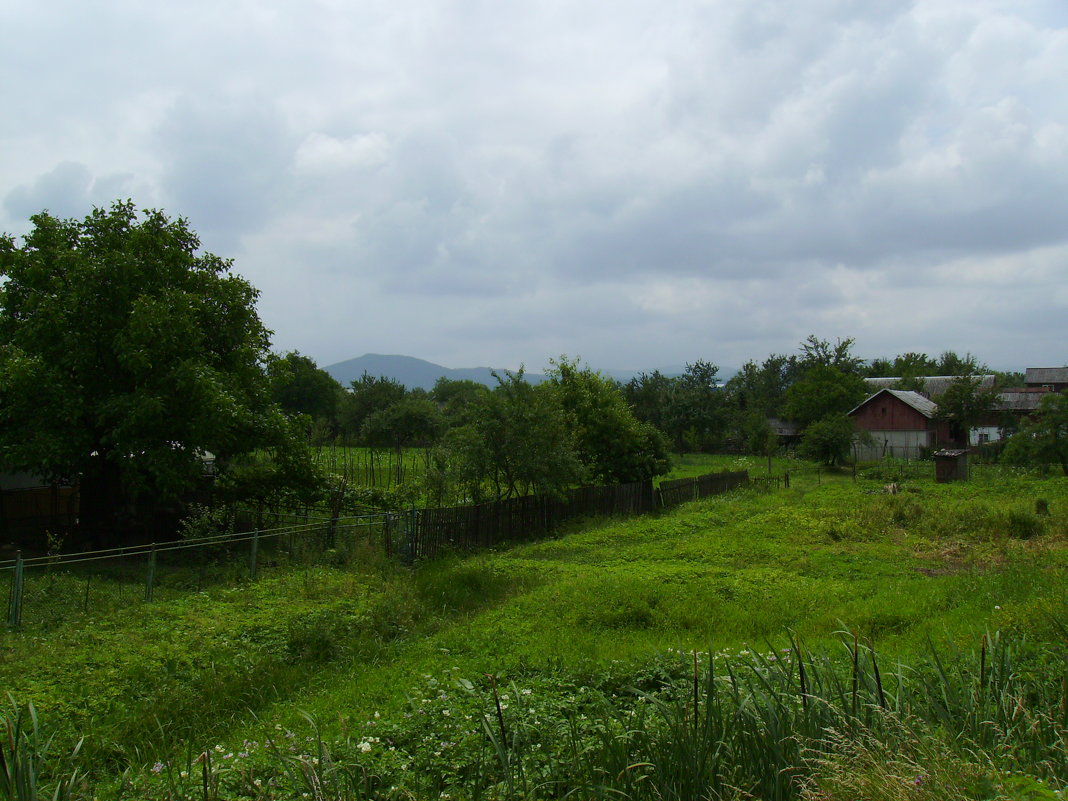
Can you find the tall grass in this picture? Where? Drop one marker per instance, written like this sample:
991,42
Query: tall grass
27,761
780,725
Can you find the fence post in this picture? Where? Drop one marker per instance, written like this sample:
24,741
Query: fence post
409,540
14,609
253,553
150,582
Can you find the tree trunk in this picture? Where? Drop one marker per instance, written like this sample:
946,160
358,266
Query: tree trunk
101,503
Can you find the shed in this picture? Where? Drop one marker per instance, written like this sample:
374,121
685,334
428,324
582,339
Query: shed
902,424
951,465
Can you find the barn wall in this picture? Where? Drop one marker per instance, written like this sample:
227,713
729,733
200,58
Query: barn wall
897,444
887,413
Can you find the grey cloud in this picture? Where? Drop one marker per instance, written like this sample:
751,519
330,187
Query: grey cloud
68,190
228,163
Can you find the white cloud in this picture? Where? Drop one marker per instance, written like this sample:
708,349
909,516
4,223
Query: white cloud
320,152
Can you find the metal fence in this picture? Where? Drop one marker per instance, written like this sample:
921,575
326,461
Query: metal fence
48,591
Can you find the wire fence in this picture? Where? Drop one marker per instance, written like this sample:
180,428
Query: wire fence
48,591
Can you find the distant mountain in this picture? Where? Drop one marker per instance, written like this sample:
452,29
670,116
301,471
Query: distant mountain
414,372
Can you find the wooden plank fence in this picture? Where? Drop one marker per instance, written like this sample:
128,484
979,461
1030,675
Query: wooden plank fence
484,525
684,490
429,532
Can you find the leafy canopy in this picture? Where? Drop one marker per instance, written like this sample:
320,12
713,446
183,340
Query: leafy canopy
124,354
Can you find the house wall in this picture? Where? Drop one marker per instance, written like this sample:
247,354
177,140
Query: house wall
896,444
981,434
886,413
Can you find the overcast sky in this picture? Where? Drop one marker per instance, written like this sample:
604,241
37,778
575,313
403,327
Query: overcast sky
639,184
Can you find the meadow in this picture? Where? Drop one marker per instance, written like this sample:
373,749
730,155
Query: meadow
831,641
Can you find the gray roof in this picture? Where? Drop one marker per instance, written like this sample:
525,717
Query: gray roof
933,385
1019,400
925,406
1046,375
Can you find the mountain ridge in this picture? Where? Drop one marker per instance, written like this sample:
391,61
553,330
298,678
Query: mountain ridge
413,372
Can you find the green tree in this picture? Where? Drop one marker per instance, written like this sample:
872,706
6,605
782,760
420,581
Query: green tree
367,394
964,404
300,387
696,413
409,422
610,441
1042,440
125,355
816,352
949,363
824,390
761,388
519,441
649,397
458,398
828,440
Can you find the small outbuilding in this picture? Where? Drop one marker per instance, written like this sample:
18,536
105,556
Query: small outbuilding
951,465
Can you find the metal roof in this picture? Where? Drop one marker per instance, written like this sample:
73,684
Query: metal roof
933,385
1046,375
925,406
1020,400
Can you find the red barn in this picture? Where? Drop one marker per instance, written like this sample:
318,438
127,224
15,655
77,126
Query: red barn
902,424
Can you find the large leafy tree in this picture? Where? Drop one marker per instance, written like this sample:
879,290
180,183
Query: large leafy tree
126,354
697,412
1043,440
367,395
518,440
823,390
300,386
964,404
828,440
761,388
612,444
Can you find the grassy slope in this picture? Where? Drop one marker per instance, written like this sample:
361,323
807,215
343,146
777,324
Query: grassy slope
722,573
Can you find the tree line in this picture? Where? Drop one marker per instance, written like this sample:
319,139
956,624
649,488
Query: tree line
131,362
811,390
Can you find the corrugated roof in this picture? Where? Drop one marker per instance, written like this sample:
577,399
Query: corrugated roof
1046,375
925,406
933,385
1020,400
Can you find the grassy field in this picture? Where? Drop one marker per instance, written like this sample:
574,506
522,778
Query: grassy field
832,641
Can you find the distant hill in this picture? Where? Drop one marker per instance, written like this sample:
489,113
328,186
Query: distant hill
414,372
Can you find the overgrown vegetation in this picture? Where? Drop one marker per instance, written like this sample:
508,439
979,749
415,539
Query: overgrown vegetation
929,624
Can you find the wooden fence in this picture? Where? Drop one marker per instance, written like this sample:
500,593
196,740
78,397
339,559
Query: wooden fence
467,528
484,525
684,490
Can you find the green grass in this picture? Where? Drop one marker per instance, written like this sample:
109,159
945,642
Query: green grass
577,620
